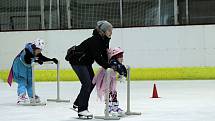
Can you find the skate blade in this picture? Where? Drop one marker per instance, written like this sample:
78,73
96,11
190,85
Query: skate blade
85,117
35,102
118,114
22,103
122,114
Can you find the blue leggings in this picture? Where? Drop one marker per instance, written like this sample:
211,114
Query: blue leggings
23,86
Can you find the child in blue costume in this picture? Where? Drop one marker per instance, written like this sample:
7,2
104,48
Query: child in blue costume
21,70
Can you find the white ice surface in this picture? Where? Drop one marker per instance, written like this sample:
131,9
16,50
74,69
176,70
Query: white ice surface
180,101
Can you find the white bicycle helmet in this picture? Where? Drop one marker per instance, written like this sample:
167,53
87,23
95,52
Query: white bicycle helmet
39,43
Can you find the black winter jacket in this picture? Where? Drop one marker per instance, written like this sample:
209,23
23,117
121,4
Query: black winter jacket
40,57
94,49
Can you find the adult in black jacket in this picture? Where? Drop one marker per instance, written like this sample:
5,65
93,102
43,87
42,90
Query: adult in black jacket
90,50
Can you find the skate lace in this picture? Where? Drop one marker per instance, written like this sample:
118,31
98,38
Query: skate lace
23,97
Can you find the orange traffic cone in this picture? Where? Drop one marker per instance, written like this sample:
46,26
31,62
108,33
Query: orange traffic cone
155,93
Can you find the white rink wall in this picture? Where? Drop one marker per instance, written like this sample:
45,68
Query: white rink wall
172,46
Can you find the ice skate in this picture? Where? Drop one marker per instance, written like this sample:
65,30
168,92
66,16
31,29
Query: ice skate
22,99
37,99
114,109
85,115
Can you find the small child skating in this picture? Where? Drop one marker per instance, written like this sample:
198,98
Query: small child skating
21,70
115,58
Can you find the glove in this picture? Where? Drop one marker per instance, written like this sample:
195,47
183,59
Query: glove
117,66
113,64
55,60
39,61
122,70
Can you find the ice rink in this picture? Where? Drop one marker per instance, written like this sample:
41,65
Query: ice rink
180,101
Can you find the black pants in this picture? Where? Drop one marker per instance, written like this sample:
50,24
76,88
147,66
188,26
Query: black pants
85,75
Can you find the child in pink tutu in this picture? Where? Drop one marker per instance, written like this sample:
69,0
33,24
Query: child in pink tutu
115,58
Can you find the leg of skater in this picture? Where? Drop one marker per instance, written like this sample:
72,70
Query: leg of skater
21,91
29,88
114,108
84,76
91,73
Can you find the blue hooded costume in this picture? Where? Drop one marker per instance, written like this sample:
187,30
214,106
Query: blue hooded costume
21,70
